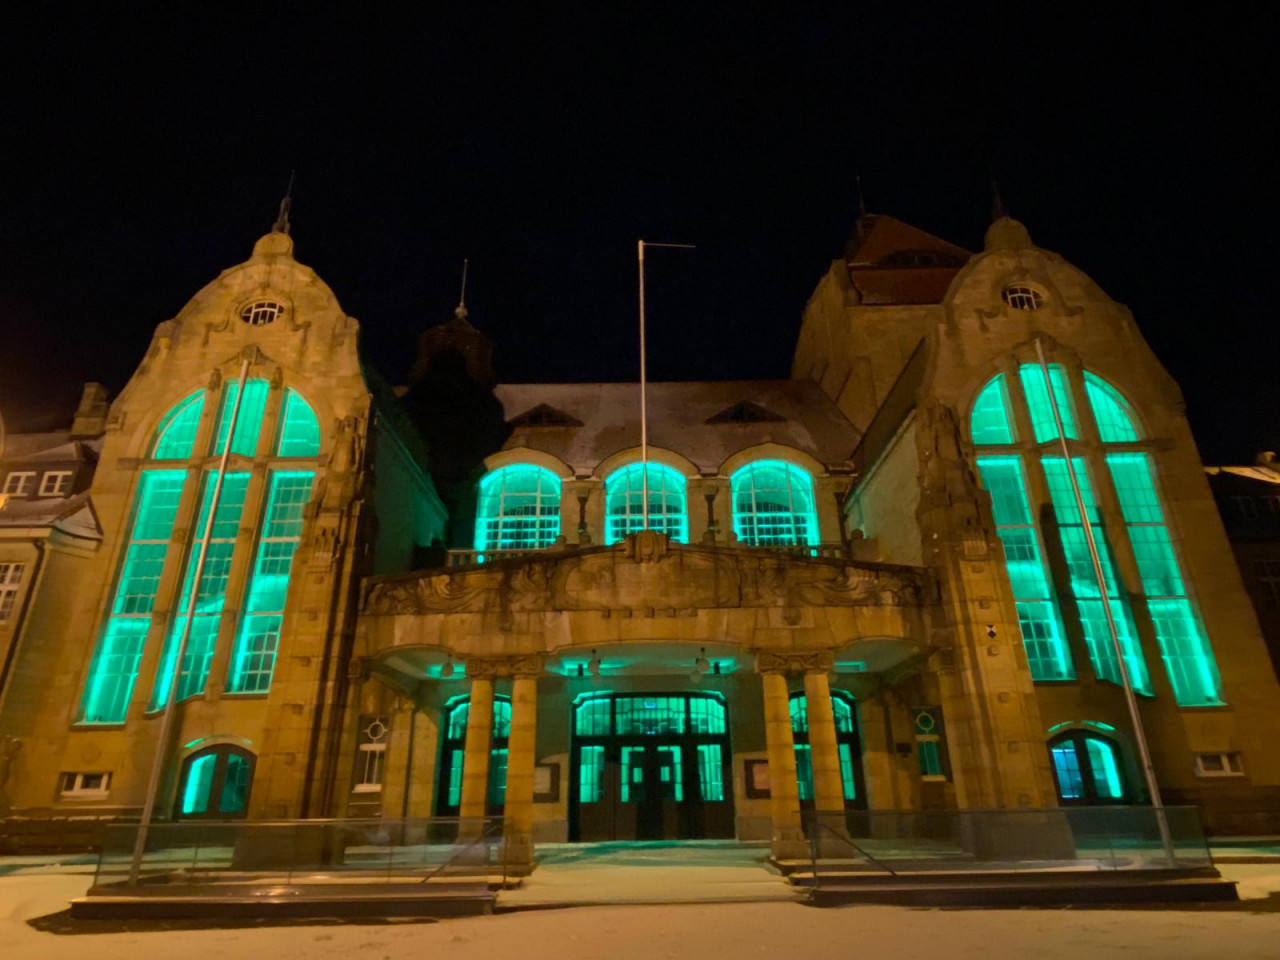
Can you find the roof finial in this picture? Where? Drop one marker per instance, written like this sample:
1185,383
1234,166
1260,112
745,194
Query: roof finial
460,311
282,218
998,210
862,201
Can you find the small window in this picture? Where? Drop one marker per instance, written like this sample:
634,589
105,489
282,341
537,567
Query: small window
931,751
19,483
10,578
1021,297
261,312
371,754
1247,507
1268,573
85,784
1218,765
55,483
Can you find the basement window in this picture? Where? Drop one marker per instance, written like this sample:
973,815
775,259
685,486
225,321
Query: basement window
1218,765
1022,297
84,785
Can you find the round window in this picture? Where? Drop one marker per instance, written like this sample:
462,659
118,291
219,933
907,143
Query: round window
261,312
1022,297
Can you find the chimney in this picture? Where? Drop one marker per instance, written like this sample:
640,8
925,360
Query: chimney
91,415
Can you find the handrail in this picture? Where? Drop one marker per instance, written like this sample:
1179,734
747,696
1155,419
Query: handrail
813,846
485,836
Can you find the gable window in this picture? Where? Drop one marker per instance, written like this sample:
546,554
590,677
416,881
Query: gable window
773,505
259,313
10,580
55,483
198,609
518,509
624,502
20,483
1129,475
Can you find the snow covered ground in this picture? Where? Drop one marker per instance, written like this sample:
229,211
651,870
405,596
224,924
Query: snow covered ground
703,931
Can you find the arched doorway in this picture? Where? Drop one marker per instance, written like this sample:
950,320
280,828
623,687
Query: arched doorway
1087,769
453,749
215,784
847,743
650,766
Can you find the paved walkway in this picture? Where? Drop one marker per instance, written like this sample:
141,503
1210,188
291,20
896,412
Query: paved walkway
704,871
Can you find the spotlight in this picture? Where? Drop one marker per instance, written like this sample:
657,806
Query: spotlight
701,665
593,665
446,671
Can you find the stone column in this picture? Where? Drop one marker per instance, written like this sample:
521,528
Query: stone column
475,762
517,826
828,786
784,792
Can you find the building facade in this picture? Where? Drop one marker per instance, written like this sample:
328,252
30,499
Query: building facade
866,587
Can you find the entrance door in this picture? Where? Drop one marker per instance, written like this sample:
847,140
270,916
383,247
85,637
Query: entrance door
215,784
650,767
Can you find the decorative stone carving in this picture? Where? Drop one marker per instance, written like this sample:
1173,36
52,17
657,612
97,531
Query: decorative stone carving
817,661
647,546
493,668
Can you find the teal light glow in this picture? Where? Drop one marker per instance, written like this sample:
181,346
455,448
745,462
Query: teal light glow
624,502
176,435
1084,582
773,505
114,668
591,774
670,771
846,733
989,423
1111,411
212,593
453,753
254,656
235,784
248,422
1095,724
710,772
1066,764
518,509
195,793
1184,646
299,428
1042,422
1047,652
1106,772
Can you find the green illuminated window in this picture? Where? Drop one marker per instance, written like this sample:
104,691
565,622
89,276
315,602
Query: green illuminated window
847,746
1111,411
592,717
215,784
1042,422
195,795
212,593
1066,765
624,502
773,505
114,667
930,747
990,422
591,774
649,716
299,429
453,754
1184,646
1102,758
176,436
248,422
804,771
1042,636
652,772
518,509
1087,769
254,656
710,772
1084,582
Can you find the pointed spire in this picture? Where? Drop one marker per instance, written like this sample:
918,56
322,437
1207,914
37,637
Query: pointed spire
282,224
862,201
460,311
998,211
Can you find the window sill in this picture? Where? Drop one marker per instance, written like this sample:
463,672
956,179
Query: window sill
367,788
81,795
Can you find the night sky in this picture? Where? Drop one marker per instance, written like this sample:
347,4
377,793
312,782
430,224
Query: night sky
143,151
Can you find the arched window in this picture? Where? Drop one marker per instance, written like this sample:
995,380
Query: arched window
176,435
624,502
846,743
518,509
773,505
1087,769
453,752
150,547
215,784
1185,648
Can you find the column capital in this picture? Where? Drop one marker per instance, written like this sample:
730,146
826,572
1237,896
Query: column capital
814,661
493,668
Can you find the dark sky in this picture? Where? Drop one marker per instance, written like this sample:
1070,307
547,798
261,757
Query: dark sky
144,148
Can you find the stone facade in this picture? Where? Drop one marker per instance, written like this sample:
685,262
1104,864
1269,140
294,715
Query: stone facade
587,674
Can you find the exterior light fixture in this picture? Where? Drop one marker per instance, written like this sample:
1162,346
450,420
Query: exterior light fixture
593,665
447,671
701,665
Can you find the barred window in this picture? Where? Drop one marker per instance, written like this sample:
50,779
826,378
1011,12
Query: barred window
259,313
10,579
1022,297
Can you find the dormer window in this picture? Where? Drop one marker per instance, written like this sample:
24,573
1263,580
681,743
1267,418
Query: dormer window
259,313
1022,297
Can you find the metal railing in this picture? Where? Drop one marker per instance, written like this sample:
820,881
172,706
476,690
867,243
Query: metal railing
234,856
897,842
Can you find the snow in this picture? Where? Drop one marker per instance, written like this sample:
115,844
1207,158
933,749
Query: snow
704,931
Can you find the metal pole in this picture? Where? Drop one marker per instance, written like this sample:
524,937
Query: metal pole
644,401
166,718
1148,771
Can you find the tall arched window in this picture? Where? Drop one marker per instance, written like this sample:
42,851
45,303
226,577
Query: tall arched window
518,509
846,743
1087,769
1184,646
215,784
624,502
453,752
277,515
773,505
